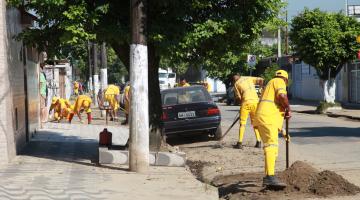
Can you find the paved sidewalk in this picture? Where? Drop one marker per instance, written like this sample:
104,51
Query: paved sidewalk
351,112
60,163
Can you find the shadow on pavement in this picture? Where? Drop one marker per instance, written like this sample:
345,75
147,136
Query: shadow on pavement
188,139
326,132
71,149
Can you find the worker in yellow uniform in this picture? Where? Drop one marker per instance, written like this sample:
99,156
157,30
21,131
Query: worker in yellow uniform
183,83
272,109
82,103
127,100
244,88
207,86
61,107
112,93
76,88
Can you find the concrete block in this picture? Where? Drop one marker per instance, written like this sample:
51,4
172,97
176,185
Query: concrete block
110,156
107,156
170,159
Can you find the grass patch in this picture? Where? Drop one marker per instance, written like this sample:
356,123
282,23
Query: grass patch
323,106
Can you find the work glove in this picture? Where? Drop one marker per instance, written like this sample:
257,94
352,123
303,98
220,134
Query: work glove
286,136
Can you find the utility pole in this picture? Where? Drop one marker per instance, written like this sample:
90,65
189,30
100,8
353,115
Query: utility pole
139,103
103,72
90,83
96,73
279,42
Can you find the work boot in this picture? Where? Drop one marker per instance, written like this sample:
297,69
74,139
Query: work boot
258,144
238,145
271,182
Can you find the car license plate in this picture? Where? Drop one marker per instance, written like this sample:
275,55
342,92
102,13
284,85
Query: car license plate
187,114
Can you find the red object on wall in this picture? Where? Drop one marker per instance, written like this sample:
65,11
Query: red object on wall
105,138
358,55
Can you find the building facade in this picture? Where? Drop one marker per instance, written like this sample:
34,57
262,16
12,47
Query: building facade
19,85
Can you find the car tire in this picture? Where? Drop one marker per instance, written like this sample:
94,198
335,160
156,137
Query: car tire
218,133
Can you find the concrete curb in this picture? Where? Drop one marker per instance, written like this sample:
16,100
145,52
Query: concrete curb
329,114
109,156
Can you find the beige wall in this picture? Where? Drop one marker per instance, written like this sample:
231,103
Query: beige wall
12,88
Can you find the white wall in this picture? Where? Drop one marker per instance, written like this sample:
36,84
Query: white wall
306,83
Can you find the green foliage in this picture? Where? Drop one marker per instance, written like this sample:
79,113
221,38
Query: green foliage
116,69
325,40
269,72
211,34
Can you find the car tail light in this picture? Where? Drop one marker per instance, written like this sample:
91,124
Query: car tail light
164,116
213,111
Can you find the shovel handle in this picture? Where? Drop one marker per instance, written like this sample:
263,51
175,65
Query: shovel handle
287,142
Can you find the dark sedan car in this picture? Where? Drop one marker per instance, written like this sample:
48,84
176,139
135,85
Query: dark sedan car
190,110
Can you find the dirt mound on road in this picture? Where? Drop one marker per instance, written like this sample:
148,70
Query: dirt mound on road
329,183
301,177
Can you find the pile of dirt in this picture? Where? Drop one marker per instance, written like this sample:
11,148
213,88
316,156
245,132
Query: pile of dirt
301,177
329,183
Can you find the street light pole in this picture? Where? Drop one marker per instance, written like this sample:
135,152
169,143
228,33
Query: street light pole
139,100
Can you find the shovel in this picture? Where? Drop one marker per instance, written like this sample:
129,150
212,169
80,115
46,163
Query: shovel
287,142
219,144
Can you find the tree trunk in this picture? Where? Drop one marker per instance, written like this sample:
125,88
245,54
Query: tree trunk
155,106
329,89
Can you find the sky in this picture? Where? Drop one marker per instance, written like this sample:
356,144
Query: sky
296,6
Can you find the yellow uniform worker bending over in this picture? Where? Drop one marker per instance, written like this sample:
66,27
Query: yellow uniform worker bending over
269,120
127,103
82,102
61,107
245,91
111,96
76,88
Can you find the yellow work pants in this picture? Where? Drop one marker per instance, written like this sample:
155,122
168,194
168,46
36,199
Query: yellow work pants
269,136
111,98
57,115
245,110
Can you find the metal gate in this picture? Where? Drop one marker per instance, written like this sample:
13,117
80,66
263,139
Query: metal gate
354,83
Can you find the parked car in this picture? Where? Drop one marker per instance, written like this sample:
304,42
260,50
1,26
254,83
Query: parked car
190,110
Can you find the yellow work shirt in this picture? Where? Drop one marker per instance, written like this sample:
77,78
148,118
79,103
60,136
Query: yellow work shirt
268,111
79,104
185,85
110,96
64,103
245,89
127,102
112,90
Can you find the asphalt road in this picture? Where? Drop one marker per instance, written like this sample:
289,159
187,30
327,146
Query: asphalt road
325,142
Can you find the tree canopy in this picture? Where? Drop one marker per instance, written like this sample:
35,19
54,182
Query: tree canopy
325,40
211,34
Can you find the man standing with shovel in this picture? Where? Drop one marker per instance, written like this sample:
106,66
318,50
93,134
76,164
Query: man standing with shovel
270,114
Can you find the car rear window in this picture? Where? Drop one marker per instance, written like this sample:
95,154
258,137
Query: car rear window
184,96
